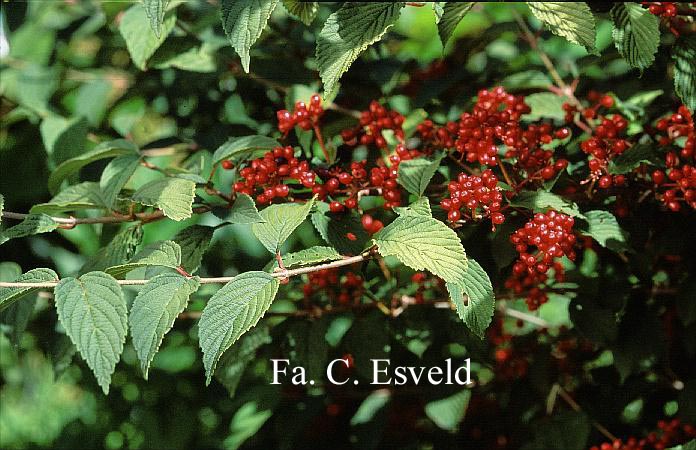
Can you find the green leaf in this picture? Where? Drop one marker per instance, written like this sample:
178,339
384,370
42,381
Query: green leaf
280,222
233,309
348,32
691,445
240,147
636,34
335,229
311,255
155,9
604,228
243,211
424,243
10,295
545,105
85,195
94,314
452,14
633,158
154,310
684,55
141,40
63,138
415,174
174,196
305,11
31,225
117,252
162,254
115,176
243,22
233,362
2,206
194,242
476,310
372,404
104,150
542,201
571,20
18,314
448,412
420,207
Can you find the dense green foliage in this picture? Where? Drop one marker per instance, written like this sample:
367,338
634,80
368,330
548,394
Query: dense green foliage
192,189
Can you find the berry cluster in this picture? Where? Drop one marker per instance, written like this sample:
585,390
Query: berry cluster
663,9
371,124
303,116
680,179
606,142
540,243
511,363
479,195
342,289
493,120
531,157
267,175
668,434
371,225
433,137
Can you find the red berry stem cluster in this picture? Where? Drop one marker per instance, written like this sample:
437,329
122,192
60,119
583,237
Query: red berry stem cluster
671,14
540,244
343,289
680,180
664,9
267,175
668,434
479,196
303,116
371,124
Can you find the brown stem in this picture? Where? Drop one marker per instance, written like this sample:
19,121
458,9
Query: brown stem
117,218
320,139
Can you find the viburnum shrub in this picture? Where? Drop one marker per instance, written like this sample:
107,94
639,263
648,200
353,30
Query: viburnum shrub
523,206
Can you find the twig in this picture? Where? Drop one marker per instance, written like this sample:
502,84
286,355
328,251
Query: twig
72,221
557,389
216,280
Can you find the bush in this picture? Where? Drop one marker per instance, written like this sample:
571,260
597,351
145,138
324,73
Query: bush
347,208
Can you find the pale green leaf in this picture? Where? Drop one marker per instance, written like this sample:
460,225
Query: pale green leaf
241,147
233,309
603,227
141,40
2,206
94,314
155,9
348,32
243,211
415,174
115,176
335,229
691,445
104,150
117,252
243,22
233,362
10,295
280,222
17,314
162,254
154,310
545,105
542,201
452,14
448,412
305,11
85,195
420,207
474,299
684,55
174,196
31,225
372,404
308,256
63,138
636,33
424,243
194,242
571,20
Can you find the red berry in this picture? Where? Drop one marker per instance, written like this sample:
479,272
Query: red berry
335,207
227,164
